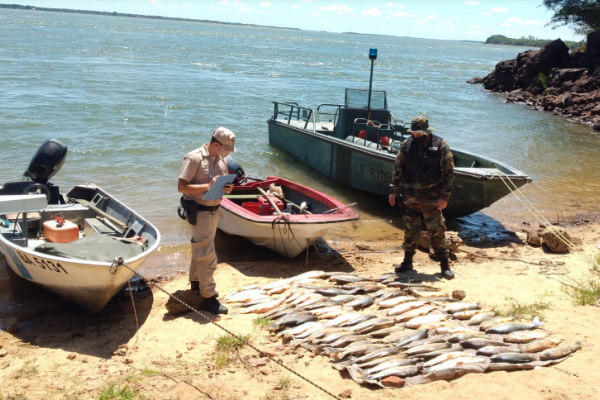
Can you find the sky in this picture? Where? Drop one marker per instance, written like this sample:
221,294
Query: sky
431,19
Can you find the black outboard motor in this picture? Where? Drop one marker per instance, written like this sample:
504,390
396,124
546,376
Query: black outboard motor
235,167
46,162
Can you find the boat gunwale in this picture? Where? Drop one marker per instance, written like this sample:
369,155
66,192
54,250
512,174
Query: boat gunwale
46,256
294,219
514,175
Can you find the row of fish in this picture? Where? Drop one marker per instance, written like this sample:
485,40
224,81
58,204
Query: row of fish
412,330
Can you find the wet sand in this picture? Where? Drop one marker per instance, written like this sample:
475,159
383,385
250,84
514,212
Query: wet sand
70,354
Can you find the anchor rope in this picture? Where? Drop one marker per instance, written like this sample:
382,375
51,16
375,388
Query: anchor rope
245,342
541,219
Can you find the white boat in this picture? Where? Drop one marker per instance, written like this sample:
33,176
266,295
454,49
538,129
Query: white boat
245,212
89,270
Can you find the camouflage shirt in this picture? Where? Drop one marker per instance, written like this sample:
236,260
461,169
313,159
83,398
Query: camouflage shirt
447,166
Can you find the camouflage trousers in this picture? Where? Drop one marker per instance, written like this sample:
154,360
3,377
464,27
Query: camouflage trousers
414,205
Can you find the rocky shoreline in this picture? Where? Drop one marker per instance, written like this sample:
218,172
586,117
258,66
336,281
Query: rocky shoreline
552,79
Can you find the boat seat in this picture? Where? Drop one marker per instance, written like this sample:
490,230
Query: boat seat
363,142
242,196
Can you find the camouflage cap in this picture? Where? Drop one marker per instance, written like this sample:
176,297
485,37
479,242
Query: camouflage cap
421,124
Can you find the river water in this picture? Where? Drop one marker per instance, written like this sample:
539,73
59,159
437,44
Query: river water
131,96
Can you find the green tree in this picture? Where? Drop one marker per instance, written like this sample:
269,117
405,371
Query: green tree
583,15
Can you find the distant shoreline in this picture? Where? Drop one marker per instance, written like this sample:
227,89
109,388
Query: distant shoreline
116,14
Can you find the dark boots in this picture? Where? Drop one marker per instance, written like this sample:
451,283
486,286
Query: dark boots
407,264
213,306
195,287
446,268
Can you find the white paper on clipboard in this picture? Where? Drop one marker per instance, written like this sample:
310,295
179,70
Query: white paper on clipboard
216,190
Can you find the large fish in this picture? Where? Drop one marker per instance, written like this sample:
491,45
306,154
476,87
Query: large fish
425,295
333,337
468,314
267,299
282,309
540,345
418,321
373,324
459,307
295,295
342,318
509,327
345,298
394,301
387,331
426,348
245,288
332,314
384,352
361,302
431,340
324,310
455,362
345,341
404,307
525,336
559,352
494,321
407,370
389,364
319,333
479,318
247,295
305,297
387,294
459,337
312,300
262,308
417,312
356,350
279,289
446,357
438,324
493,350
378,361
297,330
418,335
358,319
479,343
321,304
290,320
513,358
348,278
337,291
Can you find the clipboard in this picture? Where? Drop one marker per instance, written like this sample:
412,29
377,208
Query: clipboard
216,190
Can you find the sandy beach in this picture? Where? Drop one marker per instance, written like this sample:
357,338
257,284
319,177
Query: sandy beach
74,355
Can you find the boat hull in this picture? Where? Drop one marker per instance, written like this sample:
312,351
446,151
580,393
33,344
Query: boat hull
371,170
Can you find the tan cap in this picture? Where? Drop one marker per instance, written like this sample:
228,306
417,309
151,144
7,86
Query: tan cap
421,124
225,137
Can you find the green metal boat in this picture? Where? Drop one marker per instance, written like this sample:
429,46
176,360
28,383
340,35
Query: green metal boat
327,140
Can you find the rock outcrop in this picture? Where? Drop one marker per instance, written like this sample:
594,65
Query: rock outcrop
551,79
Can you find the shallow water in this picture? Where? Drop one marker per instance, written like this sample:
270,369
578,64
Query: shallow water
130,97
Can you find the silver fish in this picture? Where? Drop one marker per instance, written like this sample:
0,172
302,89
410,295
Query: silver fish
355,350
284,308
388,364
454,363
294,319
348,278
337,291
388,331
357,320
559,352
297,330
385,352
361,302
493,350
494,321
513,358
373,324
345,298
321,304
540,345
525,336
333,337
343,342
431,340
391,293
459,337
342,318
377,361
446,357
479,343
468,314
513,326
404,307
479,318
426,348
408,370
458,307
418,335
393,301
321,333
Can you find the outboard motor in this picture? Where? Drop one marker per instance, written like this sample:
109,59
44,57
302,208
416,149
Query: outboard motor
46,162
235,167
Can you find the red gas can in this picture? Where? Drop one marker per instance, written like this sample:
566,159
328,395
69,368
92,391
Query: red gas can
60,231
265,207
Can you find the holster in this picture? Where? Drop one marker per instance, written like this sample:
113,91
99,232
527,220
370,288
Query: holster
188,210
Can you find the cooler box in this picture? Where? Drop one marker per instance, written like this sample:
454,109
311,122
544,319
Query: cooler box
252,206
265,207
60,231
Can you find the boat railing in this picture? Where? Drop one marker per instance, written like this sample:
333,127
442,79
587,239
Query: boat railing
334,115
293,112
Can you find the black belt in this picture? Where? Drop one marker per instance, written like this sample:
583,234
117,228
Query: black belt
202,207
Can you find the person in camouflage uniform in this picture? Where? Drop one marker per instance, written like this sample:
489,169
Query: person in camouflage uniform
424,173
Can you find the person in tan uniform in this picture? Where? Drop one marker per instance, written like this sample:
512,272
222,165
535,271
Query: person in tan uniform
199,170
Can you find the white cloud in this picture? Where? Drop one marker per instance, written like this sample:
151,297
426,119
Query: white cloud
422,21
472,3
432,17
499,10
265,4
308,1
154,2
474,32
313,13
224,2
330,8
520,22
295,6
477,27
390,4
373,12
344,9
484,13
401,14
185,5
245,9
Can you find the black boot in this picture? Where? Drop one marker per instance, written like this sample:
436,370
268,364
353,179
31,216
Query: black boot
212,305
195,286
446,268
407,264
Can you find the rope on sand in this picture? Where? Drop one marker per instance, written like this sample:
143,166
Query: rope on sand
541,219
119,262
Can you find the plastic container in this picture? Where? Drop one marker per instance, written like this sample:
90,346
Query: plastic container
265,206
252,206
60,231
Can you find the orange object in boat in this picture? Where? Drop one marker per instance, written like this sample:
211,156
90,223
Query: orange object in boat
60,231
